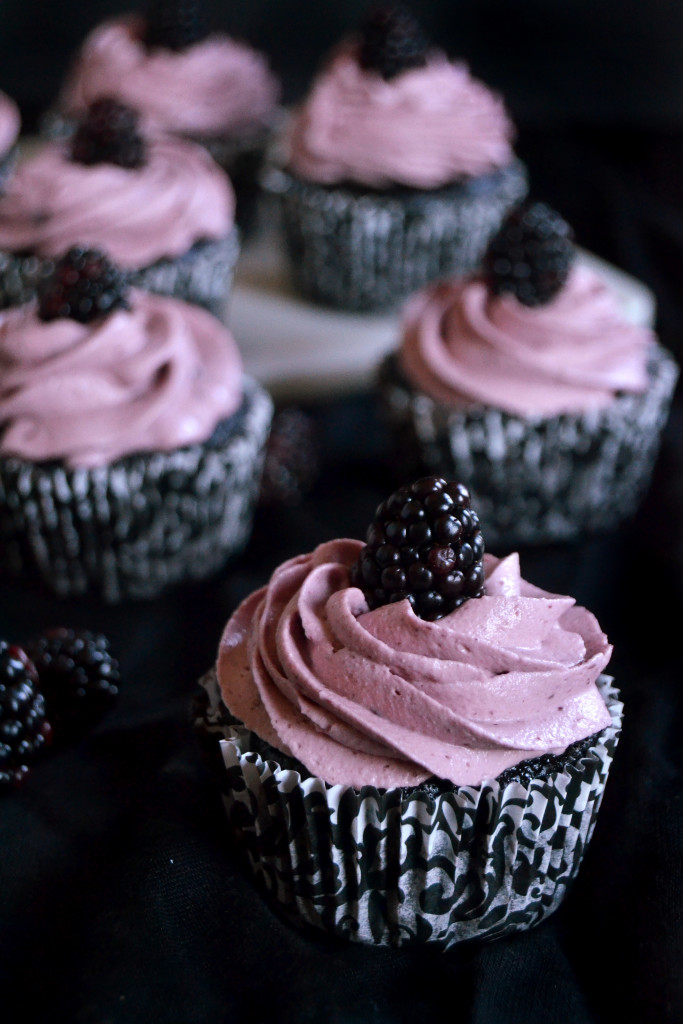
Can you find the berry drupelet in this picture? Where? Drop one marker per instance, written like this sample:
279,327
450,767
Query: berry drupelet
82,285
78,675
174,24
424,545
531,255
24,728
391,41
108,133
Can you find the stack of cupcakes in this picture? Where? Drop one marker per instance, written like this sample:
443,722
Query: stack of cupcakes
526,382
397,168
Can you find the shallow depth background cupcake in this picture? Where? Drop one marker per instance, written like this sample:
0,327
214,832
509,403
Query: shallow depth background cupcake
10,126
160,207
527,383
131,444
414,740
398,168
183,79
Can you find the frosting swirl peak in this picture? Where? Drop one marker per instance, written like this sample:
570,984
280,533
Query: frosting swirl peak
388,699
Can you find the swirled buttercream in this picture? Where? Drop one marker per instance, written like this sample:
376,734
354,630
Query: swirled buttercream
136,215
158,376
425,128
10,123
385,698
217,86
462,345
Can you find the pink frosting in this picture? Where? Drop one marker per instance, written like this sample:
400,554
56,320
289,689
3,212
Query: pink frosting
385,698
464,346
10,123
217,86
156,377
137,215
425,128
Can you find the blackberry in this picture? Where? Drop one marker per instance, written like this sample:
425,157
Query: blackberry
531,254
24,728
391,41
425,545
108,133
82,285
174,24
292,458
78,675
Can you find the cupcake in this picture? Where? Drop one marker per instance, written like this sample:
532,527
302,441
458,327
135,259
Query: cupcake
10,126
184,80
526,382
161,209
398,168
131,442
413,740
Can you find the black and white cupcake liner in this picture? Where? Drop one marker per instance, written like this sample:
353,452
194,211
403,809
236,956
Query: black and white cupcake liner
202,276
385,868
534,480
141,524
368,250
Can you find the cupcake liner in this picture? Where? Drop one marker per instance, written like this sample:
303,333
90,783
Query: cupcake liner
148,520
203,275
534,480
367,250
475,862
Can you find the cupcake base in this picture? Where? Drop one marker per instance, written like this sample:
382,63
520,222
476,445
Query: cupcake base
149,520
366,250
535,480
203,275
384,867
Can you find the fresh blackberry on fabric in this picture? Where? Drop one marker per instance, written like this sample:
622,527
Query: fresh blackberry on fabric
109,133
531,255
391,41
425,545
292,458
175,24
24,728
83,285
78,675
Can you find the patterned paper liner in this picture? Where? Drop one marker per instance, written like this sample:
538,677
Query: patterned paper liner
149,520
203,275
476,862
368,251
534,480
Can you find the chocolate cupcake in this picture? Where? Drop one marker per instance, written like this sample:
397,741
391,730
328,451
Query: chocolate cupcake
131,443
397,168
160,207
527,382
185,80
413,741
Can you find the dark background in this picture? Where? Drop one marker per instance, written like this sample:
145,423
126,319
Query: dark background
121,899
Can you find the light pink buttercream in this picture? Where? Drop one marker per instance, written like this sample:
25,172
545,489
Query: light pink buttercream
463,345
137,215
10,123
217,86
424,128
158,376
385,698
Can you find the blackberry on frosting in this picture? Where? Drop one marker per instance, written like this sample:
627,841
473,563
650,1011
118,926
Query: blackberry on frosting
424,545
109,133
531,254
83,285
175,24
391,41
